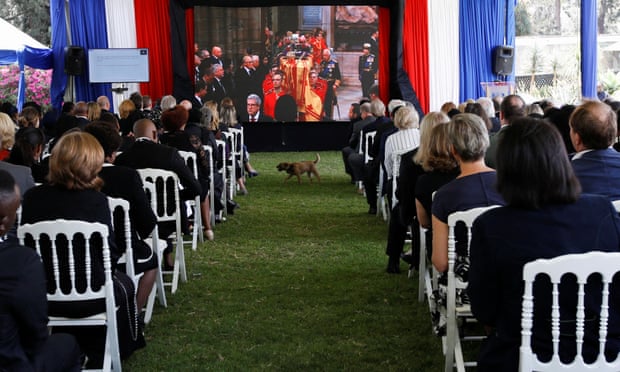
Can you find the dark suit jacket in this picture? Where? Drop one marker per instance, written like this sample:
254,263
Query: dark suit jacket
262,118
23,306
503,241
21,174
599,172
148,154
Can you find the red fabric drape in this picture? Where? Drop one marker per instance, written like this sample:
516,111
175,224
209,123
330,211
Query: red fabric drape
384,54
153,32
189,33
415,48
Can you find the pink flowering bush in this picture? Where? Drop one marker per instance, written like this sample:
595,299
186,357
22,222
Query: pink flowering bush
37,85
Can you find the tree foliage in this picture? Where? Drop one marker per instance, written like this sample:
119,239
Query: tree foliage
30,16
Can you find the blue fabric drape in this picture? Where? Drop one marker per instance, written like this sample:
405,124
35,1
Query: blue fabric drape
88,30
59,42
589,45
481,27
511,30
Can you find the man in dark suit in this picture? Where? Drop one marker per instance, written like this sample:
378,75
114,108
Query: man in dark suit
21,174
246,83
593,129
216,90
353,160
147,153
25,344
253,112
200,91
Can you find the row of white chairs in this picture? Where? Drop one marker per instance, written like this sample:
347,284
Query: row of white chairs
580,265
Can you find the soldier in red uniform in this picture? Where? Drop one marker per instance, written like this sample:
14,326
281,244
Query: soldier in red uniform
269,102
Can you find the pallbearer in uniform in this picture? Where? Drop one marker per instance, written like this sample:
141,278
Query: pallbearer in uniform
330,71
367,70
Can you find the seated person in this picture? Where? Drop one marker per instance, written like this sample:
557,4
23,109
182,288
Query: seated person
125,183
25,343
545,216
593,129
26,151
72,193
473,187
174,121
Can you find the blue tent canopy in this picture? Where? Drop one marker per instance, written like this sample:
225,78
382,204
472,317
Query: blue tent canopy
18,47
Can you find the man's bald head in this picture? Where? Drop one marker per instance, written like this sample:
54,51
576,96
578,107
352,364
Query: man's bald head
145,128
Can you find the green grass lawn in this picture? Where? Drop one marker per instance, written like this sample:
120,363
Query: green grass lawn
295,280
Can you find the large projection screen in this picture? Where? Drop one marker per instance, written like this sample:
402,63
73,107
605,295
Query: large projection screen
118,65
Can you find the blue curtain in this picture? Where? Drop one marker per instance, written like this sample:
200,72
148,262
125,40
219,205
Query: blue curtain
589,45
510,29
88,30
481,28
59,42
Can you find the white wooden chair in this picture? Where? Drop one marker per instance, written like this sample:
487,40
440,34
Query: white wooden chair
121,205
67,255
229,164
209,151
580,266
157,246
237,149
168,209
226,176
454,314
365,144
192,163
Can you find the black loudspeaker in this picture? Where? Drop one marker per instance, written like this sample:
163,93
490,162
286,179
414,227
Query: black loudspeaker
503,60
74,60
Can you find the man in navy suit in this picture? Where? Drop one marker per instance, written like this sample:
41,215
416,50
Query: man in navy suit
593,129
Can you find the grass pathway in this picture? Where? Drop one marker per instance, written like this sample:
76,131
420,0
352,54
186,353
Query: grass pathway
294,281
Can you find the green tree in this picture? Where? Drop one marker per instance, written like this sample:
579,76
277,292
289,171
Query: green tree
608,16
523,24
30,16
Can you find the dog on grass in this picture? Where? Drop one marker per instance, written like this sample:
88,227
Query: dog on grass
298,168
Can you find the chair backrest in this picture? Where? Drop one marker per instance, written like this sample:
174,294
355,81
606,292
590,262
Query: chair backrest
68,244
121,206
237,134
190,160
369,138
581,266
616,204
167,201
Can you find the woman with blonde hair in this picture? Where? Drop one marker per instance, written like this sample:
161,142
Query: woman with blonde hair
94,111
73,194
7,135
126,112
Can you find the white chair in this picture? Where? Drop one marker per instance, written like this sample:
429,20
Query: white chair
237,149
365,144
209,152
616,204
157,246
192,163
452,340
580,266
67,255
121,205
226,176
229,164
168,209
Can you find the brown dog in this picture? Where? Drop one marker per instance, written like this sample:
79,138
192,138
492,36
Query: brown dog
301,167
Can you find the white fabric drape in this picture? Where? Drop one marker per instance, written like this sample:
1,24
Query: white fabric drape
443,24
121,24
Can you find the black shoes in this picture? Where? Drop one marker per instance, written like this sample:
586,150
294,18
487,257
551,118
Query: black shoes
231,205
253,174
372,210
393,265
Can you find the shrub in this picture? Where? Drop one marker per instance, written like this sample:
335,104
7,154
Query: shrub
37,85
